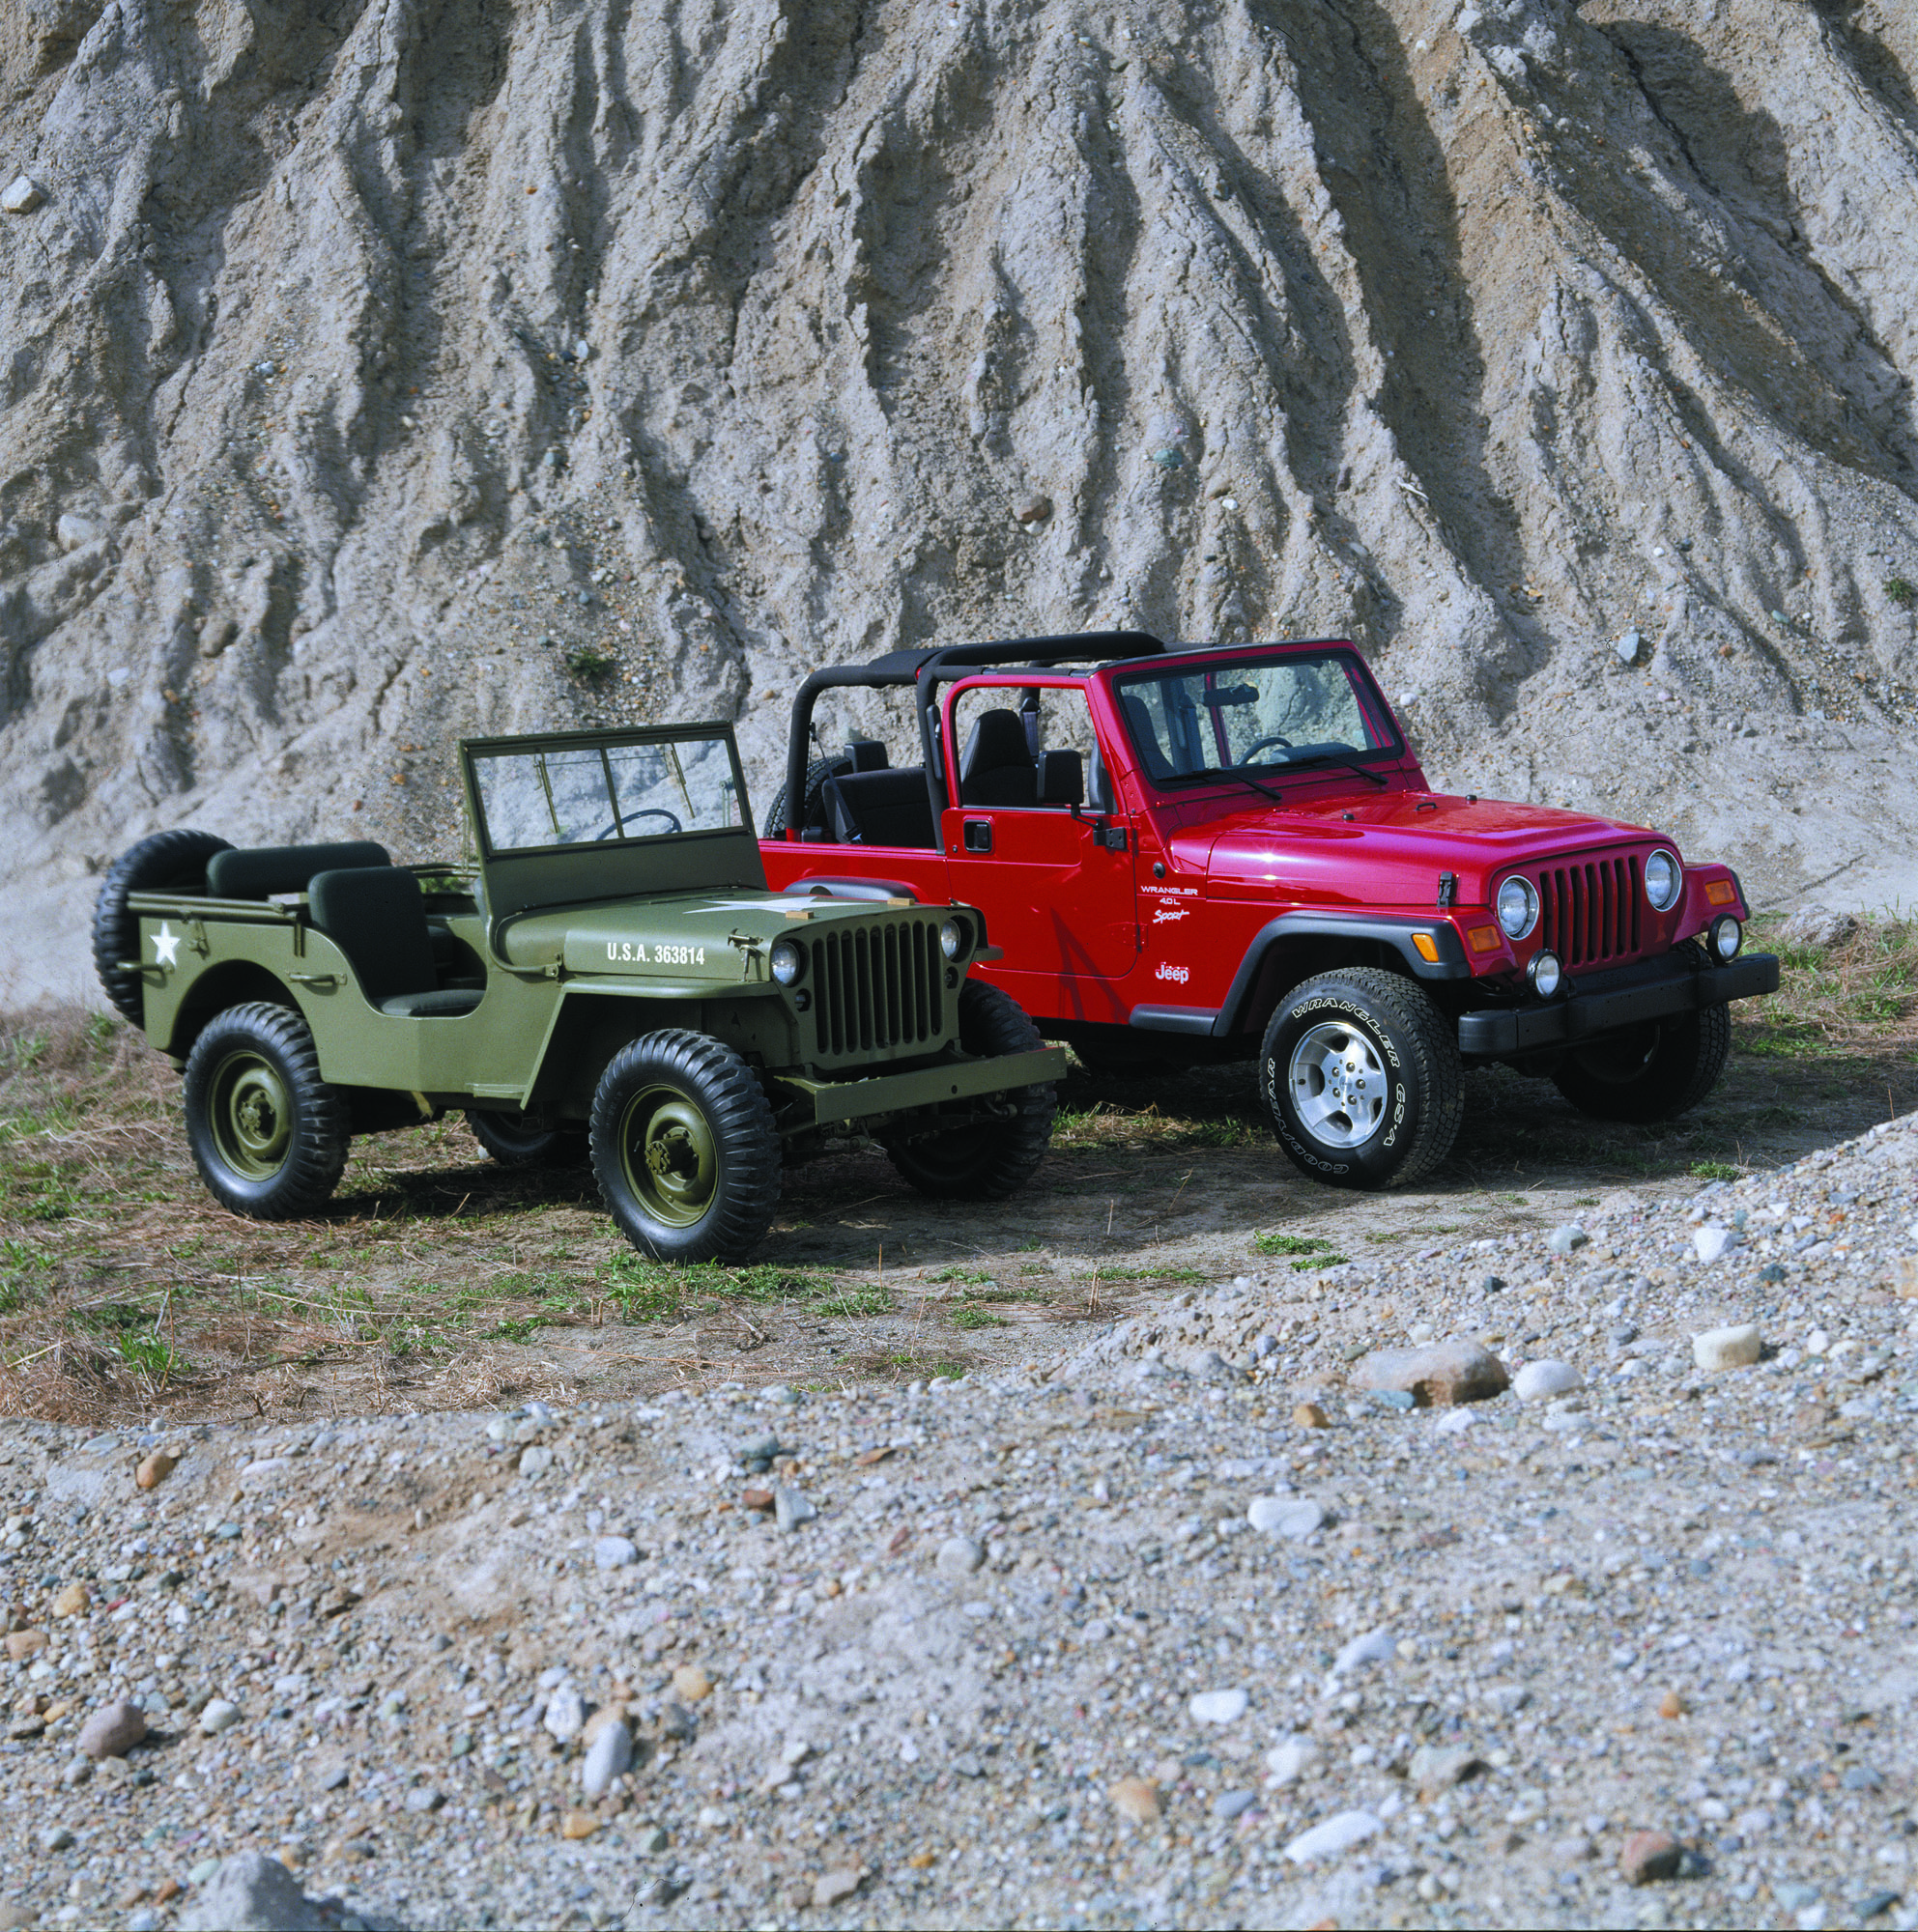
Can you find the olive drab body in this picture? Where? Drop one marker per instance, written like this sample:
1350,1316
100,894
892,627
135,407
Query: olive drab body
613,976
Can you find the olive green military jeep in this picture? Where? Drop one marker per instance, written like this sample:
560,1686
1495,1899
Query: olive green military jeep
610,976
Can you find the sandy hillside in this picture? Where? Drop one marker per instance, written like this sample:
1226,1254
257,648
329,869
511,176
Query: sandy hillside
371,374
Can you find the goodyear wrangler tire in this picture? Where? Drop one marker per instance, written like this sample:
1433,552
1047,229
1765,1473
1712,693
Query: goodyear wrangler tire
685,1148
982,1162
1361,1075
168,862
1650,1072
268,1134
515,1139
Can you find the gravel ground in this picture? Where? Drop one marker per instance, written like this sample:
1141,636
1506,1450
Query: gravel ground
1016,1652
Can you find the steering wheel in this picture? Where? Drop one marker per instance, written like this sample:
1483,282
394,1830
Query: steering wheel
1250,752
646,811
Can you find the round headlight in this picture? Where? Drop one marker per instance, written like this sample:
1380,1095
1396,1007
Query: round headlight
1518,907
1727,936
786,960
955,939
1545,973
1661,880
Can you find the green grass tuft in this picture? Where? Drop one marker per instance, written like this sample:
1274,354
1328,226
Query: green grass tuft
1288,1244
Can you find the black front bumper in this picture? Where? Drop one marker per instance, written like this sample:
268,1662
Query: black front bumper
1605,1003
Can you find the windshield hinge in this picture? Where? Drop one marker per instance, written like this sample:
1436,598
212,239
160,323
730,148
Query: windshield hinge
1447,890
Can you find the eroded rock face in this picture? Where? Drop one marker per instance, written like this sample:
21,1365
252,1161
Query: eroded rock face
374,375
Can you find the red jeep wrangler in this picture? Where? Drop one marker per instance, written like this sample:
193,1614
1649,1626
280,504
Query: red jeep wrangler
1218,854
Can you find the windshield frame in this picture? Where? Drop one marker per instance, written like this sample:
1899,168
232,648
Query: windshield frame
474,750
1376,711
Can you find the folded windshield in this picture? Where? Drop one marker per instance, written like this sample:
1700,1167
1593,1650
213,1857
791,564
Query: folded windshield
574,794
1262,715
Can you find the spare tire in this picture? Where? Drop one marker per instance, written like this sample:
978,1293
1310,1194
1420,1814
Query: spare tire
817,774
169,862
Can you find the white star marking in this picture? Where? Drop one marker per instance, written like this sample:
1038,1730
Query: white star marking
166,945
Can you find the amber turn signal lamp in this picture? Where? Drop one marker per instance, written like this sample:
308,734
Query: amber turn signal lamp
1720,893
1483,938
1429,948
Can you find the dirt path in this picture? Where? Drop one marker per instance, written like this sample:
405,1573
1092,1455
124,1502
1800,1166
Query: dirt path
437,1280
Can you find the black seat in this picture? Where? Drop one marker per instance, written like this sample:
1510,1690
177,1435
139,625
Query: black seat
376,916
866,755
999,767
255,872
883,808
1145,739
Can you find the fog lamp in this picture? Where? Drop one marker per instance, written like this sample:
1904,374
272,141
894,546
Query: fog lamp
1728,939
1545,973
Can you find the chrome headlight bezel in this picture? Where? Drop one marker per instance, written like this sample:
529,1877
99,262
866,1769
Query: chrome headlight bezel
787,961
1664,866
955,939
1517,916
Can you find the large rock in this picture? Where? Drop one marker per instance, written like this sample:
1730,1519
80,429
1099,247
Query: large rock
113,1730
1435,1377
252,1892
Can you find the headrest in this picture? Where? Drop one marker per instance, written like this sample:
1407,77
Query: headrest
998,738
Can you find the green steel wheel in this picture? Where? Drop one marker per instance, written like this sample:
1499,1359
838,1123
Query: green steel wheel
268,1134
684,1148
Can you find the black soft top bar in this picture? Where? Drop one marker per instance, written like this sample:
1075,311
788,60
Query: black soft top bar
927,668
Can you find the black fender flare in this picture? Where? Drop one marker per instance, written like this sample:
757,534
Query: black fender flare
1395,930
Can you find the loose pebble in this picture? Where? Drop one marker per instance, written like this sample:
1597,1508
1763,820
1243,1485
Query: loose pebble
1333,1835
1541,1380
1219,1707
1647,1856
113,1730
1137,1798
1440,1376
1734,1348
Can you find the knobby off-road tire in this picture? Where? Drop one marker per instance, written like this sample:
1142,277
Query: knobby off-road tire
268,1134
684,1148
1654,1071
773,826
169,862
516,1139
1360,1072
982,1162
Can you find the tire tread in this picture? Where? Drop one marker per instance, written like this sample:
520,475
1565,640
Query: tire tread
322,1122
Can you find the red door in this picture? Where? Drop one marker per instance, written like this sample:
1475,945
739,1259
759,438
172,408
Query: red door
1058,892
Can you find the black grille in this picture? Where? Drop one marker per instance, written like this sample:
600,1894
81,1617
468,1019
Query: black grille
878,987
1592,913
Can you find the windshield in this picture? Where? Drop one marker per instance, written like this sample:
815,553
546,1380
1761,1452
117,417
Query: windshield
568,795
1261,715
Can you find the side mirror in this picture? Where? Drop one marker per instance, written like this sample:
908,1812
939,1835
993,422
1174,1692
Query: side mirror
1061,778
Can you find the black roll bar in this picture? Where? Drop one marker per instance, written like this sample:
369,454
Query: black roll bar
926,669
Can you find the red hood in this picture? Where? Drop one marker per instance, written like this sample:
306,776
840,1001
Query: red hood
1388,849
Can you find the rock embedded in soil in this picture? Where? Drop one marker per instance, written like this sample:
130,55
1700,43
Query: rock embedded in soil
1435,1377
113,1730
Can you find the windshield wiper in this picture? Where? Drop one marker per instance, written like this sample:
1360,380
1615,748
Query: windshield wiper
1378,779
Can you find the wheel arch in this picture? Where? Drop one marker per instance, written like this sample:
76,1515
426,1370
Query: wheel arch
586,1031
234,983
1296,946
